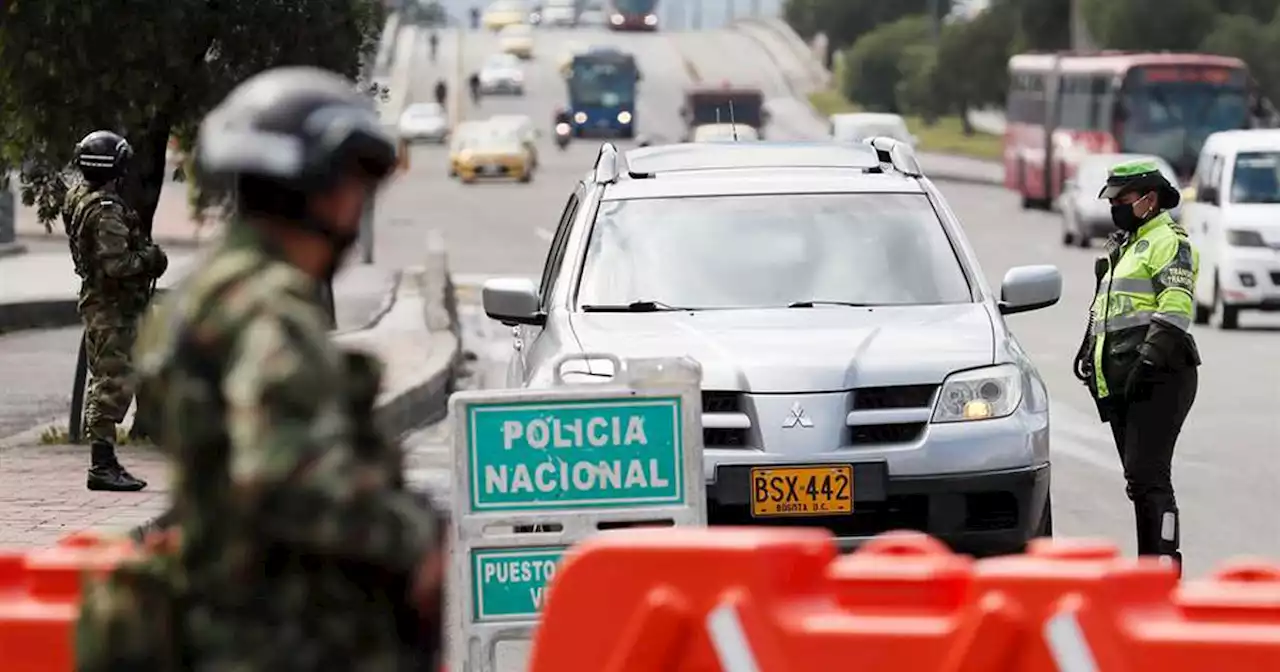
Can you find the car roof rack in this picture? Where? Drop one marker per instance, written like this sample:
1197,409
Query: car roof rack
875,155
610,164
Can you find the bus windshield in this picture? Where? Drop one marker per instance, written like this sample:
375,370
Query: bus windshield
635,6
605,83
1171,118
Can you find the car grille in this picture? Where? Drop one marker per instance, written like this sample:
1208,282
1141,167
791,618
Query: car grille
898,432
1275,278
901,396
724,408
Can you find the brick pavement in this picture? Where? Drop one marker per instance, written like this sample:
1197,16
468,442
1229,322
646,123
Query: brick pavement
43,496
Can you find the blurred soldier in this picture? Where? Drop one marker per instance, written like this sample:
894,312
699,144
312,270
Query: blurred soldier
117,265
1139,358
301,548
442,92
435,45
474,83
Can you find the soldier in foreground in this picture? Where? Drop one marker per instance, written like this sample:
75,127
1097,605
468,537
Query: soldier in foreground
300,547
117,265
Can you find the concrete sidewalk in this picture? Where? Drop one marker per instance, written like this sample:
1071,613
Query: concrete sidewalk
44,497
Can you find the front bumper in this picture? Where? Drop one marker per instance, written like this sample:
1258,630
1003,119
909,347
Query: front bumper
1251,279
492,170
981,513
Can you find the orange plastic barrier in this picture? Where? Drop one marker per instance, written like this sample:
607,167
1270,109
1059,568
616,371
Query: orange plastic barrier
686,600
39,600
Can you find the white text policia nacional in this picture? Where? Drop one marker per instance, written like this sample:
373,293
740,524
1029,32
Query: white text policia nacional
575,475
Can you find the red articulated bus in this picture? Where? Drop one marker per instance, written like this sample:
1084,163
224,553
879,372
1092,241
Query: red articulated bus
1062,106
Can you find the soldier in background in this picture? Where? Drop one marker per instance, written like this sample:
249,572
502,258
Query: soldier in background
117,265
301,547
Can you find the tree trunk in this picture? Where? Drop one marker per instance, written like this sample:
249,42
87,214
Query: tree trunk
965,126
142,188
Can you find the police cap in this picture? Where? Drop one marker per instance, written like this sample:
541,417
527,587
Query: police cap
1141,175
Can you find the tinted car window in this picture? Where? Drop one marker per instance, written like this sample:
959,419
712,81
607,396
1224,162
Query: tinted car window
771,250
1254,179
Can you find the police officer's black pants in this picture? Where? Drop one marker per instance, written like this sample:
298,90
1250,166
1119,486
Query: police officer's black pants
1146,429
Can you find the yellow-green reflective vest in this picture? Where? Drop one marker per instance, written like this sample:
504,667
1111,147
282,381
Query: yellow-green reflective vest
1152,280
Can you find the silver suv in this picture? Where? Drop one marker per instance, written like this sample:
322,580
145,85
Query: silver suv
858,374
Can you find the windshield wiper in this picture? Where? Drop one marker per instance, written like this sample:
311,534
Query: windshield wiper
811,304
633,307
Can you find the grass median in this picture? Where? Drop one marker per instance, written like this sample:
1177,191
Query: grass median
945,136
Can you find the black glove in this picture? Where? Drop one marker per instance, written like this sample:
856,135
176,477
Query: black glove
158,260
1137,387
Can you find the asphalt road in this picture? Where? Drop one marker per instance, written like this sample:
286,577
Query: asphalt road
1224,471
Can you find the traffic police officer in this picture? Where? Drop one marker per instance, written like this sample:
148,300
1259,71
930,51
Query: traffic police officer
1139,358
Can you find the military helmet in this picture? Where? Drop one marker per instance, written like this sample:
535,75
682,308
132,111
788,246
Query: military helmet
102,156
1141,175
298,127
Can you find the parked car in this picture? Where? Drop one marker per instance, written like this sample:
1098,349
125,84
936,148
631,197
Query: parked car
424,121
1084,215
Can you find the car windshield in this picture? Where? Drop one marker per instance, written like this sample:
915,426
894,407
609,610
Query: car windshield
1255,178
502,62
771,251
724,132
518,30
858,131
502,142
606,83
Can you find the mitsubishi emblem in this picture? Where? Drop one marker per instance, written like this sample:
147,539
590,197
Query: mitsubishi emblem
796,417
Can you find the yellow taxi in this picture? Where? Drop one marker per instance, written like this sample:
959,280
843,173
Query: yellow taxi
495,154
504,13
523,126
458,142
517,40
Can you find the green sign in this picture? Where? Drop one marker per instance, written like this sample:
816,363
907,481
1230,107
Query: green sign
608,453
510,584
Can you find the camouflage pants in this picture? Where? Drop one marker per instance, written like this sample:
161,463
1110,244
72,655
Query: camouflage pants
109,352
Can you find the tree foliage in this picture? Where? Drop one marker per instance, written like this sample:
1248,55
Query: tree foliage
876,63
1043,25
149,69
1150,25
844,21
973,59
1256,43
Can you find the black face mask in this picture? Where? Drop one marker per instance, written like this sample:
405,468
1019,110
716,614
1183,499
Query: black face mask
1124,217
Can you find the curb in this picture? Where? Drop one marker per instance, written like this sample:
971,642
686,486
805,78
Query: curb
12,249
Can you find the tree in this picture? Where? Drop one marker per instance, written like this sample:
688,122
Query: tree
916,92
1255,43
150,69
875,64
1043,25
845,21
973,59
1150,25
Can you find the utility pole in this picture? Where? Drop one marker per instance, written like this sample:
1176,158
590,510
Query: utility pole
730,12
1081,41
935,21
697,15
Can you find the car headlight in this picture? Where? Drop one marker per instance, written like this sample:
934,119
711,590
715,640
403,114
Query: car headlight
979,394
580,117
651,20
624,117
616,19
1245,238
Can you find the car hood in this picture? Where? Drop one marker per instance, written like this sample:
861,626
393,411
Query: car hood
1261,217
500,73
423,122
802,349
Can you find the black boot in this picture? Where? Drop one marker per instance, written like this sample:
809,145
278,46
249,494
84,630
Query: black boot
107,475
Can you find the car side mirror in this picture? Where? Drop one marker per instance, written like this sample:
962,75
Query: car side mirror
1028,288
512,301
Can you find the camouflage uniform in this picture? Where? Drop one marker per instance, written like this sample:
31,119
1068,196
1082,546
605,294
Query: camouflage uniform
116,264
299,540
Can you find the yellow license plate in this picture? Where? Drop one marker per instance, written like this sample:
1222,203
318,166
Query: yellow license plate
801,491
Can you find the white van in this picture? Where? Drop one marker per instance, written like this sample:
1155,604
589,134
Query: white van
1232,213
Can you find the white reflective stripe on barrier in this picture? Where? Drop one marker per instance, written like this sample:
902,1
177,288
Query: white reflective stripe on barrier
730,640
536,471
1068,645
